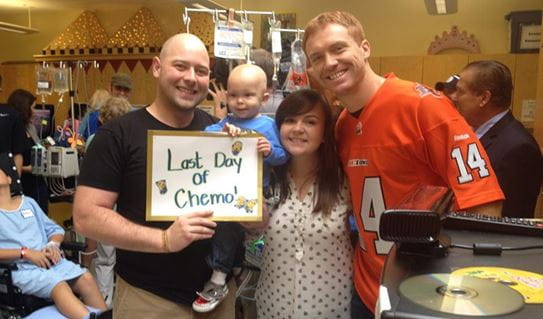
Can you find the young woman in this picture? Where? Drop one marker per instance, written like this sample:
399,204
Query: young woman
33,185
306,265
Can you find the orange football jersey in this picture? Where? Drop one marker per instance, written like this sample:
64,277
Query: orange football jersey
406,136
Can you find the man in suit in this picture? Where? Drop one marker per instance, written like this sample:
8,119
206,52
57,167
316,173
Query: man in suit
483,97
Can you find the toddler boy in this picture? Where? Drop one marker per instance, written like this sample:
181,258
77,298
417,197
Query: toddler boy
246,92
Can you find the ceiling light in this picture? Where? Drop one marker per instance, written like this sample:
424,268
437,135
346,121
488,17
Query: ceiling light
440,7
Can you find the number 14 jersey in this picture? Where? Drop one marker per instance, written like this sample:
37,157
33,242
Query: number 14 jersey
406,136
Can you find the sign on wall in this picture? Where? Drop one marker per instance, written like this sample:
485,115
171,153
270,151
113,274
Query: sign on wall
196,171
530,36
525,31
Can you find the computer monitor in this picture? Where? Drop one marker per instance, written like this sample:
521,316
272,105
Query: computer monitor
43,119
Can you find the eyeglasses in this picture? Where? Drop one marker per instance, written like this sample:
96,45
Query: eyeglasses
122,89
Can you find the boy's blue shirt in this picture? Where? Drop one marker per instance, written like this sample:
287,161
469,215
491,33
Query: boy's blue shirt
264,125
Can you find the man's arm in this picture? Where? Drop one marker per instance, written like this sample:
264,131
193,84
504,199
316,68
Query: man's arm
94,218
489,209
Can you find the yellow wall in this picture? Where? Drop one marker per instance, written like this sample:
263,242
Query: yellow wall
538,132
402,27
17,47
394,27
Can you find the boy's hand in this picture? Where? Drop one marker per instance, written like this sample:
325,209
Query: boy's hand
263,146
258,226
232,130
38,258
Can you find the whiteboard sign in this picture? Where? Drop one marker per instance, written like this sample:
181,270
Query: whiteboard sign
197,171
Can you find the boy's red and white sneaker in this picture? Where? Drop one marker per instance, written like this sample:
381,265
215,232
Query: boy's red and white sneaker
209,298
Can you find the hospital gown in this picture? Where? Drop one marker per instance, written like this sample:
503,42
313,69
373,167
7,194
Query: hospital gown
28,226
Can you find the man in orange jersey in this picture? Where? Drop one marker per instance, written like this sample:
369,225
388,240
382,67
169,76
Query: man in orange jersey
393,137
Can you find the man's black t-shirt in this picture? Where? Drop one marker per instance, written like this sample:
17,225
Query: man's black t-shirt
116,161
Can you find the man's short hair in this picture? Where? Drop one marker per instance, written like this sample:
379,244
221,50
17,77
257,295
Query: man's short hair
122,79
495,77
355,29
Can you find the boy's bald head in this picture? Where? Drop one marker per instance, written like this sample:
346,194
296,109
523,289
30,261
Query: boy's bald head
253,74
246,90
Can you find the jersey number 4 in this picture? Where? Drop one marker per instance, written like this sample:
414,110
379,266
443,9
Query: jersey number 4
373,205
473,161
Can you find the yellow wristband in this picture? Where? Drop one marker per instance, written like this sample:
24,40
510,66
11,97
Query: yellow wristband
165,241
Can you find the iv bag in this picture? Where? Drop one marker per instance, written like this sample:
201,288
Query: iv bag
228,41
297,76
44,80
60,80
247,38
275,36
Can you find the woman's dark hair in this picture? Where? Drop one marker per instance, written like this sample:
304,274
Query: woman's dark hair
329,175
22,101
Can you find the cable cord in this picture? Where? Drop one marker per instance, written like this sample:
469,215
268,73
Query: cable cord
492,248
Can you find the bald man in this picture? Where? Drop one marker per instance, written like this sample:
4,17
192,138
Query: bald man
160,265
247,91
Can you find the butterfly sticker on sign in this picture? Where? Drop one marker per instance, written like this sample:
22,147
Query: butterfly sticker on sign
196,171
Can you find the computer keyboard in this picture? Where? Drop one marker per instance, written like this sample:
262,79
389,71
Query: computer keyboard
483,223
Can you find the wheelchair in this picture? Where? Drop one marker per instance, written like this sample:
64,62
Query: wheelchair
16,305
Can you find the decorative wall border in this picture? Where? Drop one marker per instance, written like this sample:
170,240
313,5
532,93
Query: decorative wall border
454,40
